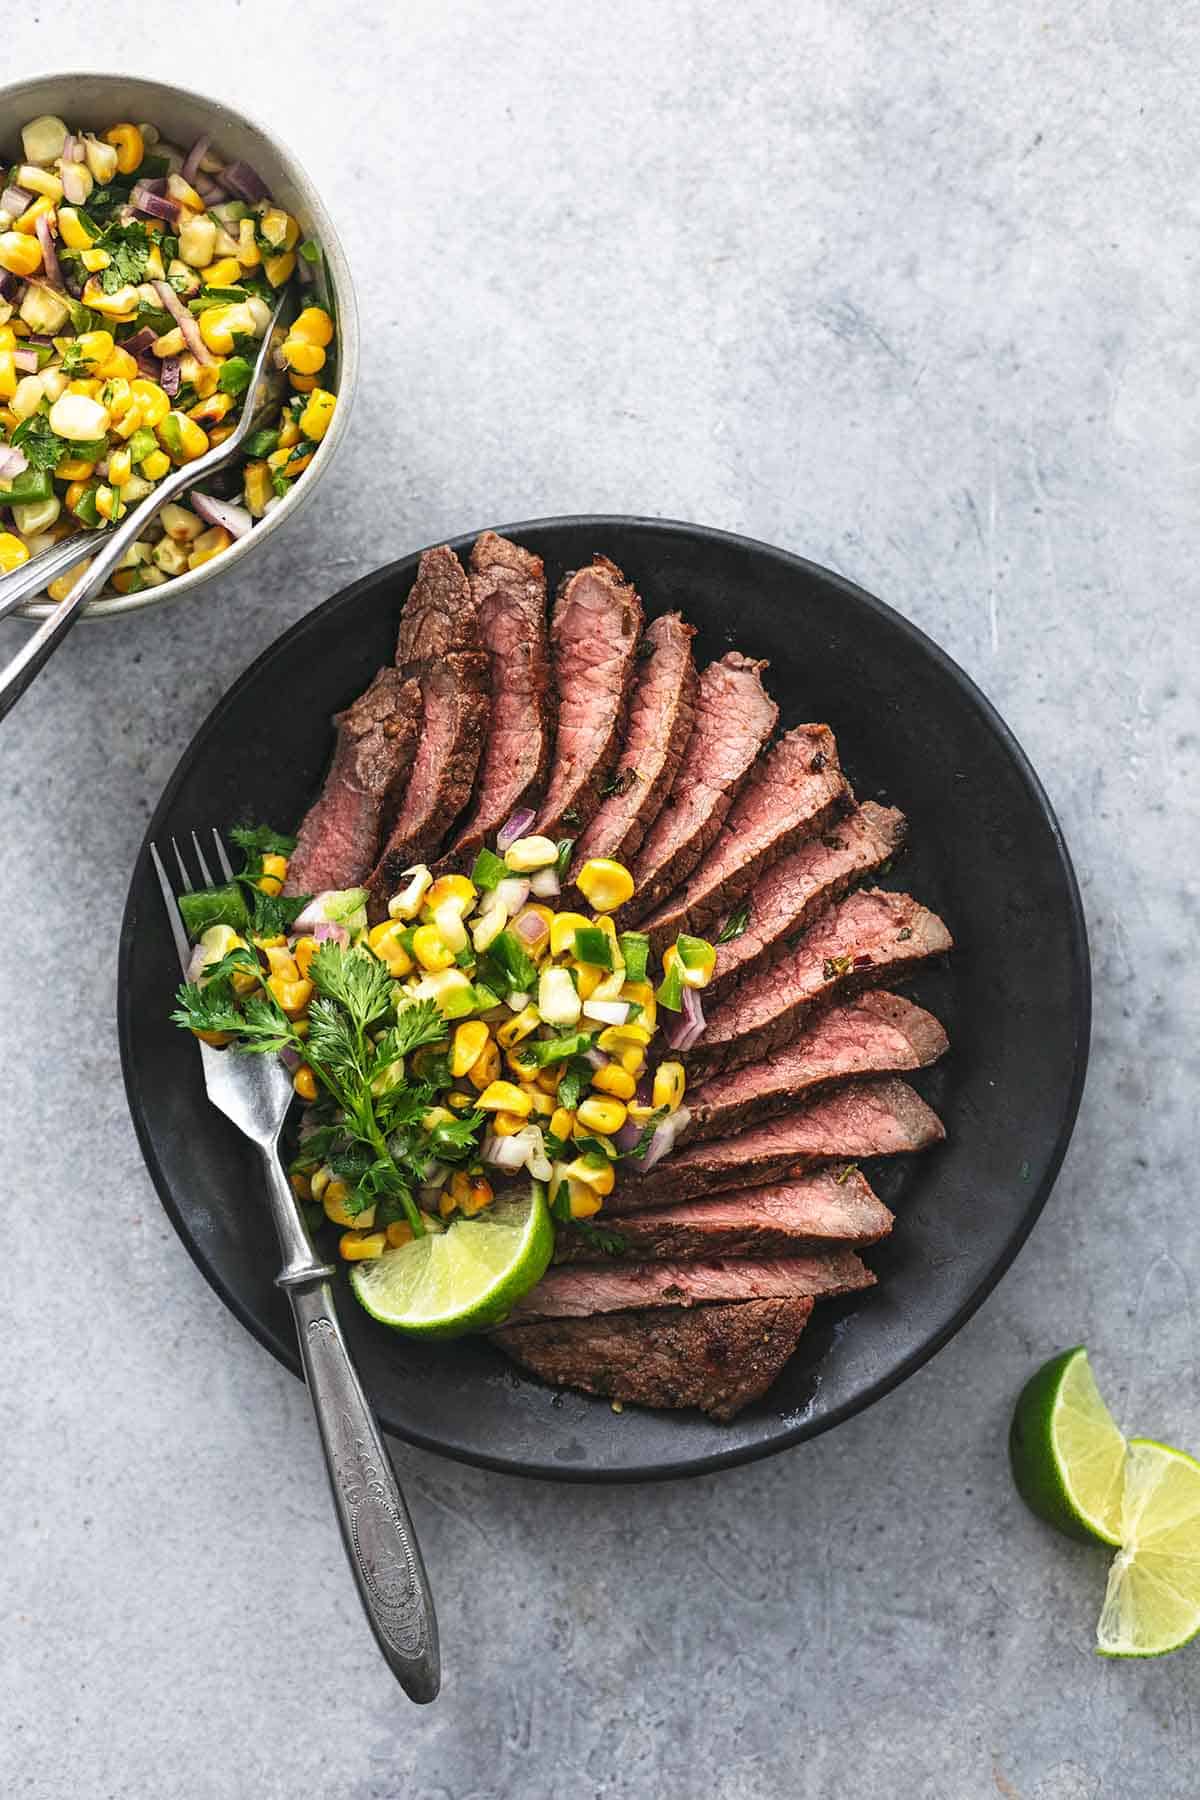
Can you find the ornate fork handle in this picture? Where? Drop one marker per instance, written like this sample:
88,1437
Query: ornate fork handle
376,1529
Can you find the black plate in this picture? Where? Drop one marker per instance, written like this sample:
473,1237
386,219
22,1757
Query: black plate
986,853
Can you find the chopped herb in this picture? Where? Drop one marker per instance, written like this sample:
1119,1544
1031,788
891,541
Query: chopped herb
849,1170
506,967
128,249
609,1243
563,859
620,783
43,448
735,924
637,1151
261,443
573,1083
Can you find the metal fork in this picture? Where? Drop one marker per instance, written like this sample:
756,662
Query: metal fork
254,1093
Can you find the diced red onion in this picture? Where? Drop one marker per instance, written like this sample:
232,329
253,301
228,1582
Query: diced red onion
185,322
148,367
9,283
290,1058
154,206
26,361
141,340
305,274
326,932
313,919
608,1012
209,192
663,1141
193,159
531,928
504,1152
15,200
514,828
512,893
169,375
72,150
628,1136
689,1027
235,519
12,462
50,262
594,1058
545,884
243,181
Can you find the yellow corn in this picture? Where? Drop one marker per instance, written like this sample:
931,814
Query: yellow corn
479,1195
506,1124
669,1084
612,1079
633,1060
287,463
601,1178
192,441
219,323
289,436
153,402
615,1038
108,503
583,1200
433,1116
314,420
459,1101
256,486
520,1027
274,868
548,1079
8,375
72,230
503,1096
304,357
362,1246
207,545
700,974
225,272
315,326
129,145
446,1203
529,854
39,210
93,348
561,1122
305,1082
484,1072
563,927
95,260
601,1114
75,493
120,468
12,552
293,996
522,1061
383,940
212,410
279,958
470,1040
121,305
249,254
19,254
333,1195
430,951
399,1231
155,466
454,888
301,384
304,951
642,992
587,978
604,884
542,1104
301,1186
279,269
118,362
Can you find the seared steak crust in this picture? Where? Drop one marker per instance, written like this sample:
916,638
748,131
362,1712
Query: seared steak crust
660,724
788,896
508,586
874,1034
795,790
718,1358
577,1293
594,633
437,643
376,737
809,1213
867,939
734,718
869,1118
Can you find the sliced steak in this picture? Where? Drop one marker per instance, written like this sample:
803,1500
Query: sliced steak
795,790
660,724
810,1213
438,644
869,1118
508,586
594,633
718,1358
577,1293
867,939
376,737
875,1034
788,896
734,718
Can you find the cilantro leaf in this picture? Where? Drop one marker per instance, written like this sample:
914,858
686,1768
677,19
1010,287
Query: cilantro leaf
735,924
261,839
417,1024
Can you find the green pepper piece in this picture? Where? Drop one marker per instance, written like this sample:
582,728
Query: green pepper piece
30,484
635,953
694,952
593,946
223,905
670,993
86,510
142,444
489,871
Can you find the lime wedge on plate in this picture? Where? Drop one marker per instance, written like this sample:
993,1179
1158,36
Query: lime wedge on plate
1153,1599
465,1278
1068,1458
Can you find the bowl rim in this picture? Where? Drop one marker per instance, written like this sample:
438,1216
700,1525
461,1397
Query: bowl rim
344,293
804,1427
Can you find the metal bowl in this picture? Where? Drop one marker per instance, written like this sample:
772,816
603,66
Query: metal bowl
95,102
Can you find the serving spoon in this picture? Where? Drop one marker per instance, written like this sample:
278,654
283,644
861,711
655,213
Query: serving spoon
267,386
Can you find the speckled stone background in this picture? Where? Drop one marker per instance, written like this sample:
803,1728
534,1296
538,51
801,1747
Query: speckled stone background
909,289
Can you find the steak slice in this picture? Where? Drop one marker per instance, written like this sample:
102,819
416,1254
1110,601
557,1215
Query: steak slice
594,632
577,1293
867,939
718,1358
734,718
438,645
791,893
508,587
795,790
376,737
810,1213
660,724
869,1118
875,1034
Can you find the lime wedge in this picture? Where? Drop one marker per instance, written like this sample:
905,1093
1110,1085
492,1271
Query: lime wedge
465,1278
1068,1458
1153,1599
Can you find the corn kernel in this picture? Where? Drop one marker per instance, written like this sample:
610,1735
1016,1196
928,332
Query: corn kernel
430,950
155,466
612,1079
526,1021
522,1060
603,1115
484,1072
120,468
384,940
279,269
129,145
615,1038
8,375
633,1060
72,230
42,208
549,1079
542,1104
583,1201
293,996
12,552
274,868
502,1096
452,888
530,853
333,1197
587,978
604,884
212,410
315,326
152,401
669,1084
314,420
249,254
479,1195
19,255
506,1124
561,1122
399,1232
301,1186
256,487
305,358
209,544
220,324
460,1102
108,503
305,1082
182,438
118,362
470,1039
279,958
362,1246
601,1177
223,273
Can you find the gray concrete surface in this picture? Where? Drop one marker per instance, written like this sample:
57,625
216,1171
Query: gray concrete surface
910,289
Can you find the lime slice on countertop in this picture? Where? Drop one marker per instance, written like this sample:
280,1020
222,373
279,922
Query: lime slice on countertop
465,1278
1153,1599
1068,1458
